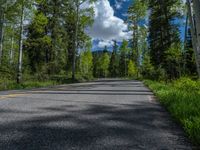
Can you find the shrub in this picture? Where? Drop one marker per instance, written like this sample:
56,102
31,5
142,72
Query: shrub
186,84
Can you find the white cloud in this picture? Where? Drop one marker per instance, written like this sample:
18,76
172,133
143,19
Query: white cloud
119,3
104,43
107,27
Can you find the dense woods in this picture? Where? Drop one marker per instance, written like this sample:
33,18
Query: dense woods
46,40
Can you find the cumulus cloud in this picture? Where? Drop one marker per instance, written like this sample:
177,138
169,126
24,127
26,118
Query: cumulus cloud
107,27
104,43
119,3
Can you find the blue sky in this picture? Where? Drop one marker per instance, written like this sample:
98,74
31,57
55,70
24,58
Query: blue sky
109,23
120,7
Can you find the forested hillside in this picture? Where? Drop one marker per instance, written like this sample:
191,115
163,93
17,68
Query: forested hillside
47,40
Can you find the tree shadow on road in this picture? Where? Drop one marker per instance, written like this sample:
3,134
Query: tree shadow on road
92,127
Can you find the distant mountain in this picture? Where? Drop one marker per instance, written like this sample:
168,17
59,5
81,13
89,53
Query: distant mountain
100,52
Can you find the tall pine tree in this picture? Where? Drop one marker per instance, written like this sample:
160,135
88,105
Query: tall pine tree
164,31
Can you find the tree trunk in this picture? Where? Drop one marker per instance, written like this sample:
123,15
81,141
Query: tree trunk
76,41
194,36
2,19
196,8
19,75
137,50
185,44
11,49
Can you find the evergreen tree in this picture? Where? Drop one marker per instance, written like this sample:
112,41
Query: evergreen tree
163,31
104,64
147,69
47,39
114,64
123,62
38,43
136,14
173,61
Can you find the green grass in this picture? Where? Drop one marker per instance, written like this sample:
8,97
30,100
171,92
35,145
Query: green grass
12,85
8,84
182,99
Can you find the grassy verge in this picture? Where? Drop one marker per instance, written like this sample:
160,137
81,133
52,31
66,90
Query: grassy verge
182,99
11,85
6,84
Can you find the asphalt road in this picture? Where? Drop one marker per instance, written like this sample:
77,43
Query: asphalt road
102,115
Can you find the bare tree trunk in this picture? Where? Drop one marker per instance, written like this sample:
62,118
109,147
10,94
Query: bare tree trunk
2,19
196,8
11,49
76,40
137,50
125,68
194,35
185,44
19,75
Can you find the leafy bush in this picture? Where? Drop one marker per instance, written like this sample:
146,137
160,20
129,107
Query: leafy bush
132,69
187,84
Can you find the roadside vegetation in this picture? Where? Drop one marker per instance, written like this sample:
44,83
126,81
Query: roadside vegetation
182,99
29,83
12,85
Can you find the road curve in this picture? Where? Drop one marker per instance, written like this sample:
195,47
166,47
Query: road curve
103,115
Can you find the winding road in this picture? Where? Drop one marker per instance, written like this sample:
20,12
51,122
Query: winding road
110,114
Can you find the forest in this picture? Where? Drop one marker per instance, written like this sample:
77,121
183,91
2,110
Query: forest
45,42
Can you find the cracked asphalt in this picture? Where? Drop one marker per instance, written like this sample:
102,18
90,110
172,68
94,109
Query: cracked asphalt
110,114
